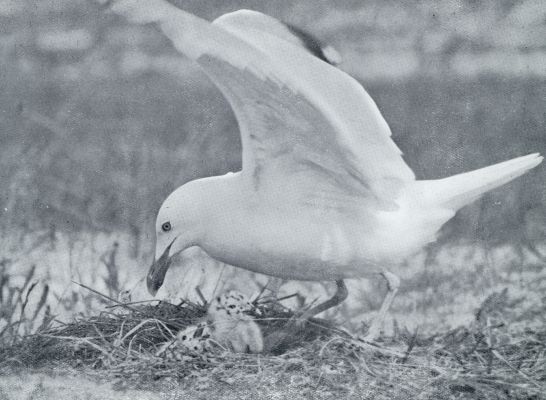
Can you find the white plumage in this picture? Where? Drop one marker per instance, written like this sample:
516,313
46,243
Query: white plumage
324,193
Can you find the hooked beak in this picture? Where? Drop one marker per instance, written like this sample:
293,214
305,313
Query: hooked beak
157,272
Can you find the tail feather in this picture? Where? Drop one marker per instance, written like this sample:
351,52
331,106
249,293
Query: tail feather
459,190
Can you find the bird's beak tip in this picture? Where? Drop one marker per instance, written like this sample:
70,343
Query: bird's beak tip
157,271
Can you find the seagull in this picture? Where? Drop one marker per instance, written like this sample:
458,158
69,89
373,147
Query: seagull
324,193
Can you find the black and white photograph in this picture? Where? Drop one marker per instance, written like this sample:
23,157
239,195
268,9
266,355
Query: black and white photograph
251,199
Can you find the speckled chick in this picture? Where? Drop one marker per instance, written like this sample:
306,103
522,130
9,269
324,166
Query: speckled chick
231,326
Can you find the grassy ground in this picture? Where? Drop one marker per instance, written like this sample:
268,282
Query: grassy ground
477,340
100,120
489,359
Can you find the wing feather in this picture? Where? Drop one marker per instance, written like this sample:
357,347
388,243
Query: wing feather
303,122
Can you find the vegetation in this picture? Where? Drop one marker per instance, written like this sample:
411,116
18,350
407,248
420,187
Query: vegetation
100,120
126,343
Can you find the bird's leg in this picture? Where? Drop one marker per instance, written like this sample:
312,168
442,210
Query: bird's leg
393,282
337,298
277,340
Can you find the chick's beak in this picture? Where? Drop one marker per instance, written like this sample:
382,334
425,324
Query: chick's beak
157,271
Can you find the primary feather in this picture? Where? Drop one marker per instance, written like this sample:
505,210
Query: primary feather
300,118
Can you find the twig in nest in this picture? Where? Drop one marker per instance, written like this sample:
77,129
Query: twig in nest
520,372
374,346
81,340
119,303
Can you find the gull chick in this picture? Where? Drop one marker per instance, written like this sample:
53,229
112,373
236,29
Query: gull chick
231,326
193,341
195,338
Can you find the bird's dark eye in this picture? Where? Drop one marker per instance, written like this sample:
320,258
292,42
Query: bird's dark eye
166,227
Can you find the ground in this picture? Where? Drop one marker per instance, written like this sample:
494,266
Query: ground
66,385
493,357
100,120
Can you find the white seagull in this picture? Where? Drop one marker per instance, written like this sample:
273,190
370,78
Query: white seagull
324,194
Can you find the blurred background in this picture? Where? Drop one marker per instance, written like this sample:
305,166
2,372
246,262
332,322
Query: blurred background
100,120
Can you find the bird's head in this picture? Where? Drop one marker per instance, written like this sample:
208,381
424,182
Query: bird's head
233,305
177,228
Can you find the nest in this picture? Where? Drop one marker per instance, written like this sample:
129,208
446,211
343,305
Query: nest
485,360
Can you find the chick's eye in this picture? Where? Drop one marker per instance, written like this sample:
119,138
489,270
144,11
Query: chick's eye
166,227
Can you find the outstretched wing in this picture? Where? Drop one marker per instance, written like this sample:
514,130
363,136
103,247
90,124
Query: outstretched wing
304,123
